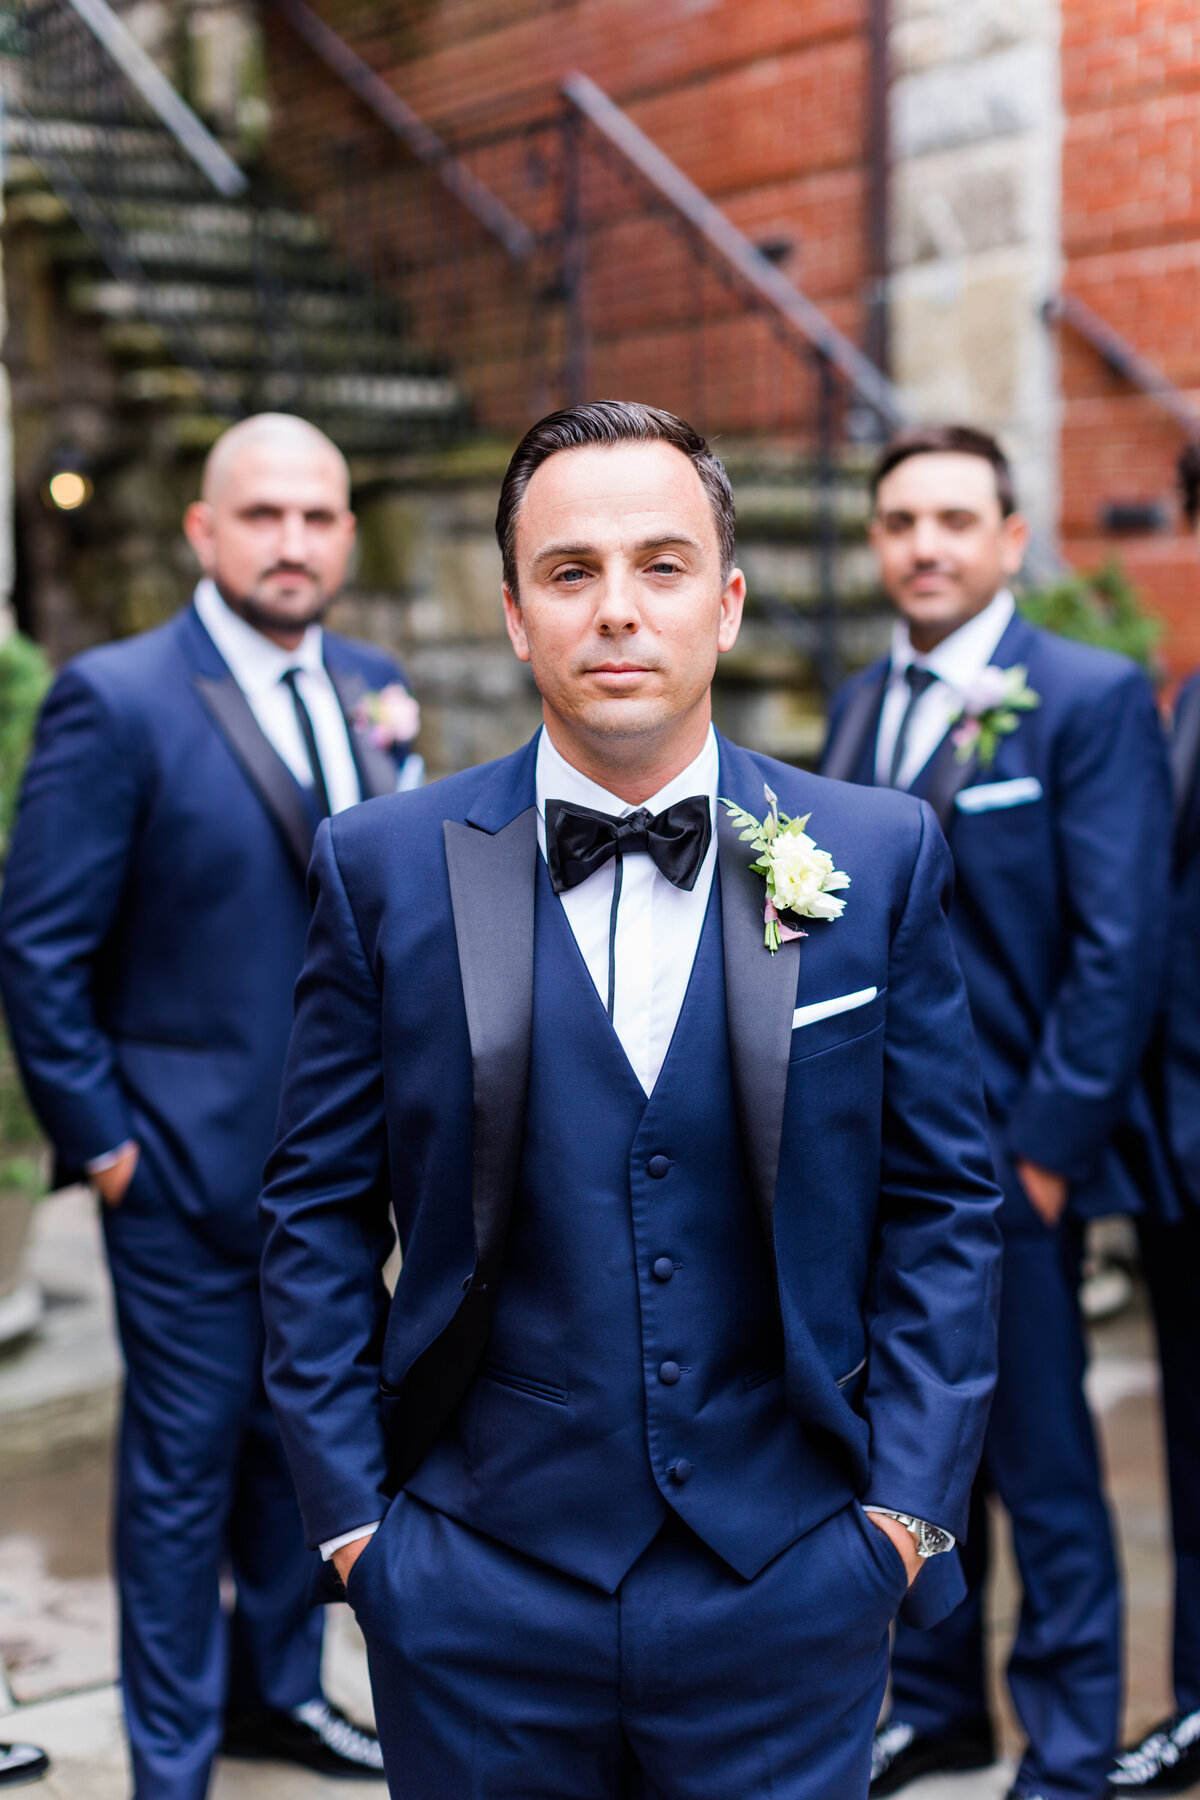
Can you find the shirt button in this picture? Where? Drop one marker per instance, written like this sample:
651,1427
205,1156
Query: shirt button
669,1373
680,1470
664,1268
658,1166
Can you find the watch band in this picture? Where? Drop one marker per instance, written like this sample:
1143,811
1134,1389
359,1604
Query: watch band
930,1540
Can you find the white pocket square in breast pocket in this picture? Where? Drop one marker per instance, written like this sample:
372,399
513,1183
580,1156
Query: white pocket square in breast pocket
989,796
825,1009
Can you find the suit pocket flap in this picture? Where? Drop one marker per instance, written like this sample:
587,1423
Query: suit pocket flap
991,795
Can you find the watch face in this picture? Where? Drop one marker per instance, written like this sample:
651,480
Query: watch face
934,1540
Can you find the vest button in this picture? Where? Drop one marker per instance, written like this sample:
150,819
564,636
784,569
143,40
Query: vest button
658,1166
669,1373
664,1268
679,1471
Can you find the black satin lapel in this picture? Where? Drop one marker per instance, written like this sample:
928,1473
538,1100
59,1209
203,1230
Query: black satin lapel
859,721
944,776
492,893
760,997
274,782
376,769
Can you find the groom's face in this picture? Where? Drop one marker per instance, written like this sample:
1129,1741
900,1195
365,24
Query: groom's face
622,606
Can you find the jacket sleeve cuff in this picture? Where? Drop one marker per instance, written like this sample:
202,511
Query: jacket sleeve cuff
1059,1131
348,1537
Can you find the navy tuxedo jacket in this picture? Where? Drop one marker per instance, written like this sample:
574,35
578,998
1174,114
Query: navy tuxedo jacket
154,913
1179,1070
863,1132
1061,851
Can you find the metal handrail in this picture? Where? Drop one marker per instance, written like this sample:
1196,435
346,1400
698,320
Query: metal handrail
1123,359
792,307
412,130
170,107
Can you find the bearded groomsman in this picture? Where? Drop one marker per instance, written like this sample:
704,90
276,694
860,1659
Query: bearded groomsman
1045,764
152,928
689,1359
1167,1760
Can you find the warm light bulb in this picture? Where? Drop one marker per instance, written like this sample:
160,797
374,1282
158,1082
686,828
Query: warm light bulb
68,490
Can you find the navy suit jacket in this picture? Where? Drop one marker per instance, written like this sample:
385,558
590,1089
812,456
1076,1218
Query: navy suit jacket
1179,1071
864,1136
154,913
1060,910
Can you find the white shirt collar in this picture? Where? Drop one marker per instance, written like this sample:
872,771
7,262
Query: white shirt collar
959,658
557,779
255,662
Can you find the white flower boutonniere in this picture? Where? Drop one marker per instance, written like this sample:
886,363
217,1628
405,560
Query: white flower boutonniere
800,878
991,709
390,716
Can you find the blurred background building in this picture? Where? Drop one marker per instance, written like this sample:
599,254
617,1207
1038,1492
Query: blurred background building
424,222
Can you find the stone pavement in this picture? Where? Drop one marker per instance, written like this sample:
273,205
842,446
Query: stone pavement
57,1619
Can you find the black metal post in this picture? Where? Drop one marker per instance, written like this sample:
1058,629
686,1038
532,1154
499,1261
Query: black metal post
574,312
879,185
828,656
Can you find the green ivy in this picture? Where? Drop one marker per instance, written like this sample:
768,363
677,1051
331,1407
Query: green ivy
25,675
1101,607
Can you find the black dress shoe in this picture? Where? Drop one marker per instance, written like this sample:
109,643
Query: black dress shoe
317,1735
20,1763
1167,1761
901,1754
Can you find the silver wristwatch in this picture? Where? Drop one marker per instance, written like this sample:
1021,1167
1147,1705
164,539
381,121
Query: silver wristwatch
930,1540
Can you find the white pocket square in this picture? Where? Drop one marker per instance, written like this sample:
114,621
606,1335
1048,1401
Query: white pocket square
992,794
825,1009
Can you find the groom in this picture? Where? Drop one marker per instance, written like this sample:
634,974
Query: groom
685,1377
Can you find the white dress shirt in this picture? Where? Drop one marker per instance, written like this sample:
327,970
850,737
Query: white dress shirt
658,924
258,665
658,927
957,661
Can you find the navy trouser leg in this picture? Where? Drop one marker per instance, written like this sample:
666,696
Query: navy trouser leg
496,1678
194,1440
939,1683
1065,1670
1171,1256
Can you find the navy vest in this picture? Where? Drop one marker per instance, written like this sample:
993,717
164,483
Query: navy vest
635,1362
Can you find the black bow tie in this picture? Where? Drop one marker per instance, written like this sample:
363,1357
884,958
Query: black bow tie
580,840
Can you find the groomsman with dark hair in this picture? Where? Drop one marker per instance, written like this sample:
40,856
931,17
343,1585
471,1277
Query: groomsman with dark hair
1167,1759
1045,764
152,928
684,1377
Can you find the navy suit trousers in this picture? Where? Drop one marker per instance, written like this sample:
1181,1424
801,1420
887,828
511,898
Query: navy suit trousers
498,1678
202,1486
1171,1257
1040,1458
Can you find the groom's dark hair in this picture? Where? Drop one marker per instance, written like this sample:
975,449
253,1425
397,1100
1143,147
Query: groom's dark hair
957,440
605,423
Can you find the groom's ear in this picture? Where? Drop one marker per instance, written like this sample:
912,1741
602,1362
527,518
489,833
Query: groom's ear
514,623
198,530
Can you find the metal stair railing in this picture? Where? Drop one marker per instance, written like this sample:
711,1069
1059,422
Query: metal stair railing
1123,358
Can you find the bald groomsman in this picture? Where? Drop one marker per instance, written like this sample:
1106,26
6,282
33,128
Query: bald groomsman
153,925
1045,763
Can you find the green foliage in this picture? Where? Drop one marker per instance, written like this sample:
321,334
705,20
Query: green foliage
24,678
1101,607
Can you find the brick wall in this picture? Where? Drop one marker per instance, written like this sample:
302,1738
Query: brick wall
761,102
1131,249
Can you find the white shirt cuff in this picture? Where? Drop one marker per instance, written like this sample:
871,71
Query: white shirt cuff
98,1164
889,1512
348,1537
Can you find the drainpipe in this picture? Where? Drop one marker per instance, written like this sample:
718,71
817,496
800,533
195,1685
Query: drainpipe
879,169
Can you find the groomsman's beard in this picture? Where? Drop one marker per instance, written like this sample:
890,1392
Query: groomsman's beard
265,614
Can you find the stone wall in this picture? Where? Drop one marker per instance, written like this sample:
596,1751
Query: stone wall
976,128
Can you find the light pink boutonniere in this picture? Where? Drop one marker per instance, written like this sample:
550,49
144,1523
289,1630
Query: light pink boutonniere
390,716
800,878
991,709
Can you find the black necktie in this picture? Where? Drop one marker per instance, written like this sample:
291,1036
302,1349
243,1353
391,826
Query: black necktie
580,840
320,791
919,681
